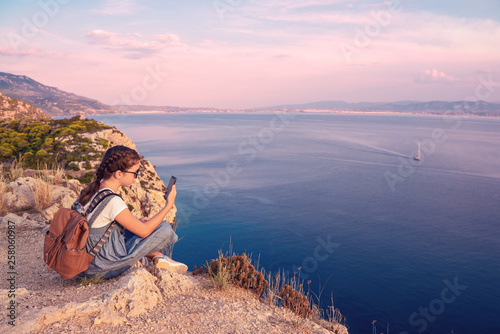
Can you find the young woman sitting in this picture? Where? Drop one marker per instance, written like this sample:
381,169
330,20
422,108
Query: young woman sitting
131,239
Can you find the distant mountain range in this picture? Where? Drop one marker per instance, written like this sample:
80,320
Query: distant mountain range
168,109
51,100
434,107
56,102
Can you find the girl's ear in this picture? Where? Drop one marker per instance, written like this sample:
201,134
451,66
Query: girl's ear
118,174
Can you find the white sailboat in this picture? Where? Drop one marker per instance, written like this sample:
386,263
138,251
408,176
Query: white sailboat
417,156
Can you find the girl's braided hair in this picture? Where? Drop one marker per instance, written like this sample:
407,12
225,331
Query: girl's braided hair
115,158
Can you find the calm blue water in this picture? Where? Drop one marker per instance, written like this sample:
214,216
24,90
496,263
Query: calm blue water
412,245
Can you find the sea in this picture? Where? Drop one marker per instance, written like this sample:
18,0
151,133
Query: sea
337,200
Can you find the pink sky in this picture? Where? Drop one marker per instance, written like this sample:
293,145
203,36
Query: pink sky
256,53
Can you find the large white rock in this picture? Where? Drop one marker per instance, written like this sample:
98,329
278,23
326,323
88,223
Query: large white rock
20,221
129,296
21,196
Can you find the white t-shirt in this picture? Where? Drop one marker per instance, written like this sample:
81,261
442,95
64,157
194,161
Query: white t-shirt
112,209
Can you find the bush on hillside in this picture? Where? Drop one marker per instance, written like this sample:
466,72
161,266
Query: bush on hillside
48,141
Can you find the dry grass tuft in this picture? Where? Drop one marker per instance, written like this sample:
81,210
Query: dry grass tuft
58,174
271,296
219,273
53,174
16,168
42,191
334,316
3,192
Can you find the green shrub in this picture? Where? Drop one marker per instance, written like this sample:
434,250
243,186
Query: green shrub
87,178
45,141
73,166
42,191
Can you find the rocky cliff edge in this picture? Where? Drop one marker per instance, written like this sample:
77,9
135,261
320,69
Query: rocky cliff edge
141,300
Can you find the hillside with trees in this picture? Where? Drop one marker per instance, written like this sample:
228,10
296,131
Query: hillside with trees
48,141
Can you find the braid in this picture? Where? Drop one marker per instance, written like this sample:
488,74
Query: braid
115,158
104,168
100,173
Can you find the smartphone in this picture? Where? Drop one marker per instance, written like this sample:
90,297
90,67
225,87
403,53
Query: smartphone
172,181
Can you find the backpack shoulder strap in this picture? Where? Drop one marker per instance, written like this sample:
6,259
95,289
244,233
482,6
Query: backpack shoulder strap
101,195
104,238
97,200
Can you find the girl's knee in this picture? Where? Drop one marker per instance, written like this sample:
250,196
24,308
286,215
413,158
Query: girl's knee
167,232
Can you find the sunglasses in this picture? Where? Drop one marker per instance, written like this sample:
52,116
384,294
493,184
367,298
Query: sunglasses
135,173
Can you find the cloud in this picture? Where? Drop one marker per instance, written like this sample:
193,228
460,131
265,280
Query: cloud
16,53
380,4
302,4
118,7
138,45
208,43
311,3
24,53
327,19
435,76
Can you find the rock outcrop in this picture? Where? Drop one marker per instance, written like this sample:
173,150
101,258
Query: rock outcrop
113,136
128,296
14,109
20,196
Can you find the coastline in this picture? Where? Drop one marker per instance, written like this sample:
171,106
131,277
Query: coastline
303,111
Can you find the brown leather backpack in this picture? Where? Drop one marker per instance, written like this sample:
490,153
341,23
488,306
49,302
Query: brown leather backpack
64,247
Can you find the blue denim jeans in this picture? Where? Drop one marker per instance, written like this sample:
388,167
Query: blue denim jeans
124,248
